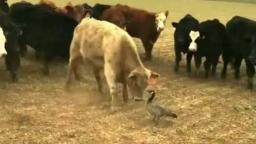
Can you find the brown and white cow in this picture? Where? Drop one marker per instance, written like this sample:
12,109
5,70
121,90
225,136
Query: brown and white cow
110,50
141,24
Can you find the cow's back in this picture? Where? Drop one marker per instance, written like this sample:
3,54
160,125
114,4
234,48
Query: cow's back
44,30
240,26
101,41
213,30
239,29
98,10
114,15
139,23
236,26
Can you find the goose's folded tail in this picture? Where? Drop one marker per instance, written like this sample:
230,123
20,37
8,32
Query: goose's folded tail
170,114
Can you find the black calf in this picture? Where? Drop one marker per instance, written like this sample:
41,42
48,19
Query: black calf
210,43
182,39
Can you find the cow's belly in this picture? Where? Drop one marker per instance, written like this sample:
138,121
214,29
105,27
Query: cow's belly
133,31
97,62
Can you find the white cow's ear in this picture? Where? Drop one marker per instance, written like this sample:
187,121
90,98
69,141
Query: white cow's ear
154,75
153,78
132,75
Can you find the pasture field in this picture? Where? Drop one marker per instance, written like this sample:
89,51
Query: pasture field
37,110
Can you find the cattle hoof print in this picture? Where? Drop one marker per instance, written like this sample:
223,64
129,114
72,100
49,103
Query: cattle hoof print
115,108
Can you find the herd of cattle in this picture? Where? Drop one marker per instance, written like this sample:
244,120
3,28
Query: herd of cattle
65,32
210,39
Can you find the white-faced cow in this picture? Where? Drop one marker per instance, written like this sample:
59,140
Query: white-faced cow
146,26
182,39
110,50
208,41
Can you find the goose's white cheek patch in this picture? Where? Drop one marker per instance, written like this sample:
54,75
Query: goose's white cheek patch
193,36
2,43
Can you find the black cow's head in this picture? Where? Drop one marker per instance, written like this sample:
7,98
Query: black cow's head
208,32
183,28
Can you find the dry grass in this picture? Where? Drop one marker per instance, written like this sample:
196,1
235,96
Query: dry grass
38,110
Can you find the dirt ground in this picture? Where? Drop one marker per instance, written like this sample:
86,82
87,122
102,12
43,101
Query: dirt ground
37,110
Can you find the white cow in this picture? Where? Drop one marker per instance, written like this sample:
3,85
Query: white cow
111,50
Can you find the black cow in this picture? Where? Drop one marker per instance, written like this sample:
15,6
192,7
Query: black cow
182,39
48,32
11,33
209,42
242,35
97,10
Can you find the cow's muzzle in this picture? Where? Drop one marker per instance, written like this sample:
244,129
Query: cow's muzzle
192,47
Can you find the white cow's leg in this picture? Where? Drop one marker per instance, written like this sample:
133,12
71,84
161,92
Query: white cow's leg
74,60
70,73
250,73
99,79
111,81
125,92
76,63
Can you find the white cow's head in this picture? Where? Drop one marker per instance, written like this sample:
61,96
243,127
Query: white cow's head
141,80
2,43
194,35
160,19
